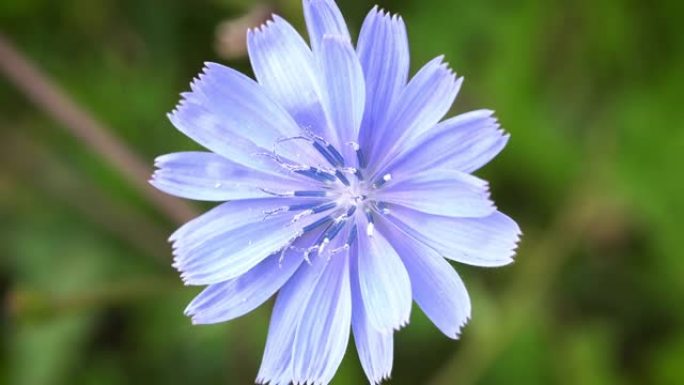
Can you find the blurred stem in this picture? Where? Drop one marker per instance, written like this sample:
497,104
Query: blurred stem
33,303
50,98
26,160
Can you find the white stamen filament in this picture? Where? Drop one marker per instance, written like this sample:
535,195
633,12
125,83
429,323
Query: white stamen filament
370,229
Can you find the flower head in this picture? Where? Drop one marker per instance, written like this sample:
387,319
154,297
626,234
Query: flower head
344,191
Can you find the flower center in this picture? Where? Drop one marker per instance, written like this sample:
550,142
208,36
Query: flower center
342,195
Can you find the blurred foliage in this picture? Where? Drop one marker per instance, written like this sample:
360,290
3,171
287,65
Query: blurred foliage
591,92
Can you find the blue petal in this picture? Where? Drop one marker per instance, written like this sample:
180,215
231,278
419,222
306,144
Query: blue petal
488,241
384,283
345,92
440,192
232,115
231,299
230,247
210,177
277,363
323,18
423,103
384,54
224,217
323,332
375,349
436,287
285,67
465,142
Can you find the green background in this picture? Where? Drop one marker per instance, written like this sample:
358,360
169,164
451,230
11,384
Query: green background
590,90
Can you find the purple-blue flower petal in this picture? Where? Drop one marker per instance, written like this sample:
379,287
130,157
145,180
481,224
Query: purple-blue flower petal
436,286
231,299
383,281
323,332
232,115
277,363
423,103
384,54
323,17
345,93
210,177
440,192
285,67
224,217
375,348
465,142
229,248
488,241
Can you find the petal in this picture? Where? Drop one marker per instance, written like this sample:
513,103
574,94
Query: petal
383,281
323,17
436,286
345,94
232,115
226,217
465,142
323,332
276,365
231,299
384,54
210,177
422,103
375,349
488,241
284,66
220,254
440,192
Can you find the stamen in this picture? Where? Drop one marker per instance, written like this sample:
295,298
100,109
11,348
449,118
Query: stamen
333,230
328,156
326,149
281,140
323,245
320,222
301,215
281,258
270,213
339,249
317,174
342,178
336,154
312,210
352,236
302,206
369,216
318,246
288,166
359,154
353,170
304,193
278,194
370,229
379,182
382,207
323,207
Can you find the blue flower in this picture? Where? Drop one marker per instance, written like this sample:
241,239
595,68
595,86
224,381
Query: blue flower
344,191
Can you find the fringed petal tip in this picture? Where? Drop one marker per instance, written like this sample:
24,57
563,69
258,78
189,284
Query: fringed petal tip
455,334
380,12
